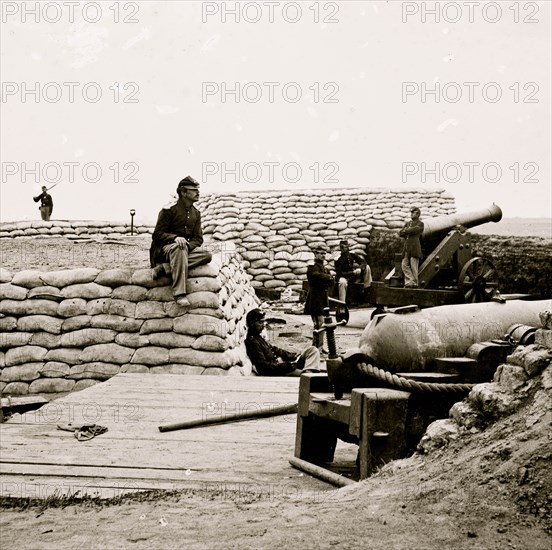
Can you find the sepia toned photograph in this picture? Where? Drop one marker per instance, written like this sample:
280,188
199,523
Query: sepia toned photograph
275,274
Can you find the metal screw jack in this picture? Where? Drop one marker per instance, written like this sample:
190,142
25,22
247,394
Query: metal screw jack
334,361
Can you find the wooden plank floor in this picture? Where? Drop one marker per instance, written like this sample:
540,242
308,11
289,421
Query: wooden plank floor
38,460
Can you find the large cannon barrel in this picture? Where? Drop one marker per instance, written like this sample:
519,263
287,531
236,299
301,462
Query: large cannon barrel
410,342
441,224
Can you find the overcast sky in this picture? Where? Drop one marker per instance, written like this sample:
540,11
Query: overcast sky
293,95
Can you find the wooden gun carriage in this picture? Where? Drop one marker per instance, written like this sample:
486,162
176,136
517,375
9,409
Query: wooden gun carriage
449,273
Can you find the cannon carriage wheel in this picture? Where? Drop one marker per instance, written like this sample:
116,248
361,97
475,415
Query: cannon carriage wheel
341,310
478,280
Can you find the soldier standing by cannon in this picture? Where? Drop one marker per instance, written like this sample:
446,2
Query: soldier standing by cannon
46,203
449,274
412,250
317,299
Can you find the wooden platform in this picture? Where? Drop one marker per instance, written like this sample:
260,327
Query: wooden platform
38,460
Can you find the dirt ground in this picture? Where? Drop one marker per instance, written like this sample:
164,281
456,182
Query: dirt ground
488,490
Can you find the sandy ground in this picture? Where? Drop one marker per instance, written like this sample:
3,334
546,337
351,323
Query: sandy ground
455,499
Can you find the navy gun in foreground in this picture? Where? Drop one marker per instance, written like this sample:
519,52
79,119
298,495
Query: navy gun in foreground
449,273
410,368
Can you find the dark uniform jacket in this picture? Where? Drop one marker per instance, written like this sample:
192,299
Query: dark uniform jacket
344,265
412,231
176,221
265,357
319,281
45,199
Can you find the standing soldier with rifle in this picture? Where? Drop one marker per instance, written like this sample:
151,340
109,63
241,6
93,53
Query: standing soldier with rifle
46,203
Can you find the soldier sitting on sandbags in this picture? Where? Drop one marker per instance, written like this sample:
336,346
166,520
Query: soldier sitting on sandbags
177,239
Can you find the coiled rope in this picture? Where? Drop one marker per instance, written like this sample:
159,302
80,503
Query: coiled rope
412,385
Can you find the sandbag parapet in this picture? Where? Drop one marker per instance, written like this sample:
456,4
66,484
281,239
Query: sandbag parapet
67,329
274,231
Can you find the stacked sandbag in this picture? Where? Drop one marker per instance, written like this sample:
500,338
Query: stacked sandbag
66,330
71,229
276,230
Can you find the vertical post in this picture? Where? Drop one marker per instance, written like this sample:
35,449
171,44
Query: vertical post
132,212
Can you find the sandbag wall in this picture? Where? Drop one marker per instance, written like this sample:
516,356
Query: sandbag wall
66,330
71,229
275,230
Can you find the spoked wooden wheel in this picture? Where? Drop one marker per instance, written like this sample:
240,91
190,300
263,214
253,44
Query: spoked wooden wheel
478,280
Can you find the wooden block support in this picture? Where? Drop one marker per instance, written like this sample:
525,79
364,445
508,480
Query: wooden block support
375,417
464,367
382,429
315,441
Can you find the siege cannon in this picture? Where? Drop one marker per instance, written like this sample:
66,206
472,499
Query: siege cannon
449,273
410,368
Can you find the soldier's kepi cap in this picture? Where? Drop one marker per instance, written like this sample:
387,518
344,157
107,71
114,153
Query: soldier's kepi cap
188,183
253,316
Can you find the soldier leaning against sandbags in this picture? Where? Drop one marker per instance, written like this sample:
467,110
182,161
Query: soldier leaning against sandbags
270,360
